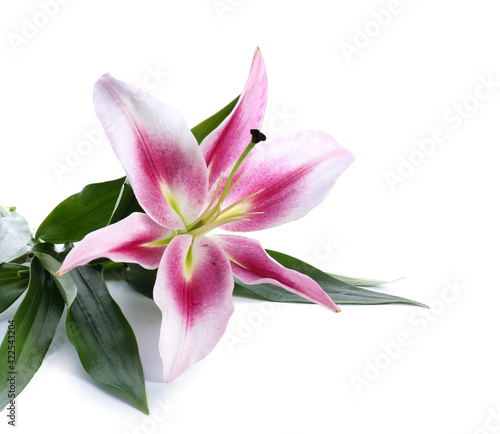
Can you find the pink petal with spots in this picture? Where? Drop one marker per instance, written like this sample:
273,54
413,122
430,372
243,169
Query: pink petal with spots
194,293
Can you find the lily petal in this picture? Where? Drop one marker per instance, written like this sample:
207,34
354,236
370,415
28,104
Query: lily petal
222,147
193,290
136,238
295,172
158,151
252,265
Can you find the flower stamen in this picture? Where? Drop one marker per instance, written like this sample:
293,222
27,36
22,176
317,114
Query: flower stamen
213,216
222,221
225,210
207,211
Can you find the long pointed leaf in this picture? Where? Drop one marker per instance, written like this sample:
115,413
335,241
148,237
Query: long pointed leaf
35,324
84,317
81,213
340,292
203,129
103,337
359,281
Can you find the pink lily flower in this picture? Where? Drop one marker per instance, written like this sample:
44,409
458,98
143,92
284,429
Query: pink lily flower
186,190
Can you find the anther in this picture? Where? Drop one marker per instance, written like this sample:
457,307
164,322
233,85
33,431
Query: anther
257,136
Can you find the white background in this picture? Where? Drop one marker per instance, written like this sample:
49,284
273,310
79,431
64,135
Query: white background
294,370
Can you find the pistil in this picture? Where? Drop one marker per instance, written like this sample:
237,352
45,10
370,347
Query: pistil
214,216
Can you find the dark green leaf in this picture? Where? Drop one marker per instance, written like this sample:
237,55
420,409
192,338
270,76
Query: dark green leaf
82,213
51,260
13,282
141,279
204,128
14,234
358,281
97,328
340,292
103,337
44,250
35,323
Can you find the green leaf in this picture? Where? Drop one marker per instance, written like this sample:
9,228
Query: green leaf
14,234
82,213
35,324
126,204
358,281
13,282
141,279
49,256
51,260
340,292
204,128
103,337
97,328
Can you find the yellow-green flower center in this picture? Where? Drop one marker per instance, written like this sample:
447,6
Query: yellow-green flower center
214,215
